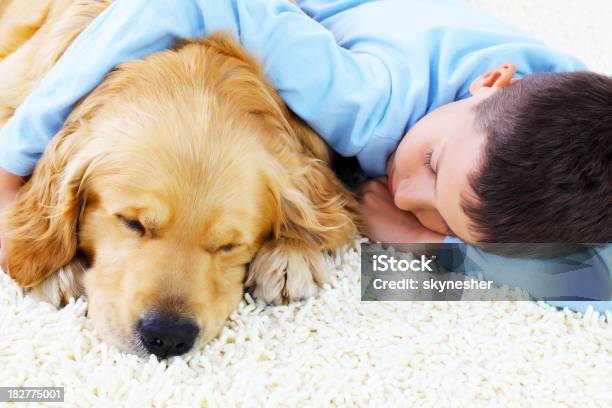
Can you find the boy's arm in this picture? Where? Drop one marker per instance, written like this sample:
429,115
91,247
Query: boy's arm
343,96
561,280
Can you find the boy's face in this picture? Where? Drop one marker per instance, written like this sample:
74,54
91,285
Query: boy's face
429,172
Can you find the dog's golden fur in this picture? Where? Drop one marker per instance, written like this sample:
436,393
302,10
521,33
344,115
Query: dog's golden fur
193,144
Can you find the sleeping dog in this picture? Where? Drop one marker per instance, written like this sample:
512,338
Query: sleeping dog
178,181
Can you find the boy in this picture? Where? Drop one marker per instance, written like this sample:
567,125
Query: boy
483,157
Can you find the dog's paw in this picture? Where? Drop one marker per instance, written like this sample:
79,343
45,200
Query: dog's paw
282,273
62,285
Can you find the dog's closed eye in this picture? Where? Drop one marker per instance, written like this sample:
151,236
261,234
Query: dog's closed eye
227,247
134,225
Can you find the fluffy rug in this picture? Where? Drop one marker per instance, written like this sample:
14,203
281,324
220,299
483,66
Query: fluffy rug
333,349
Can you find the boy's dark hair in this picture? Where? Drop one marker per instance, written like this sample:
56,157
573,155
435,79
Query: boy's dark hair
547,169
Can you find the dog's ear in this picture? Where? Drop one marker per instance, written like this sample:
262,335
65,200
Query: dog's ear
314,207
41,224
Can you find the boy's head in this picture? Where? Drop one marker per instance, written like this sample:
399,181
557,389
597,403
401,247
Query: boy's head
519,161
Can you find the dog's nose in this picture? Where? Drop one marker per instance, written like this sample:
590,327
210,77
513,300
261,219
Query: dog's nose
167,335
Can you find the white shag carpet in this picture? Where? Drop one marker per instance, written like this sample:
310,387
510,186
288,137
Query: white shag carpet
335,350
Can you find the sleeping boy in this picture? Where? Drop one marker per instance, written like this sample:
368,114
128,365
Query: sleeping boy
484,132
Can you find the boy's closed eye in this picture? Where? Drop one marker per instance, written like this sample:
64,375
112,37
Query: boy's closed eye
428,156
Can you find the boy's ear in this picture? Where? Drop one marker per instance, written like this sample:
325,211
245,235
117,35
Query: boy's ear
499,77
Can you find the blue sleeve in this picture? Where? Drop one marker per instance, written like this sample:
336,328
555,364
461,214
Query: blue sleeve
574,281
322,82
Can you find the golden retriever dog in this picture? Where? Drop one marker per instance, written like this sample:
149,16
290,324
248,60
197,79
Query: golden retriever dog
178,181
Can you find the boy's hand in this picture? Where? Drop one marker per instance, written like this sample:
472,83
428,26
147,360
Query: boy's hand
9,186
384,222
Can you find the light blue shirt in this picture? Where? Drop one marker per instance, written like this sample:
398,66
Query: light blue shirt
360,72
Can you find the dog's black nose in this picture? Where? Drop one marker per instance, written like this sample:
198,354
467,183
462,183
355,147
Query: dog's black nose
167,335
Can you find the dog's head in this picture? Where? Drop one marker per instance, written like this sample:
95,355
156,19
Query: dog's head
168,179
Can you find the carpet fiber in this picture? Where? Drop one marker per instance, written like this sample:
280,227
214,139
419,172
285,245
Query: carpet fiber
334,350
